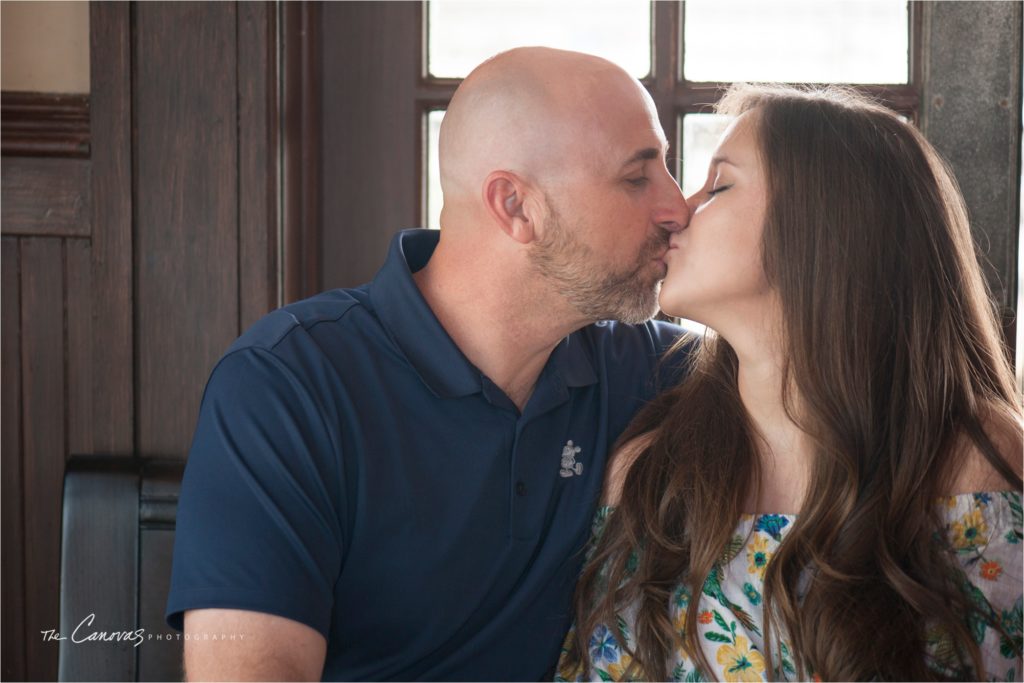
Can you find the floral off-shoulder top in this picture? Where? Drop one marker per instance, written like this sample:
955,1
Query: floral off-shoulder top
984,529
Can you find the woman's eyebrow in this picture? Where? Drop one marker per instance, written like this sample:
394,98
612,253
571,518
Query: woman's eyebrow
723,160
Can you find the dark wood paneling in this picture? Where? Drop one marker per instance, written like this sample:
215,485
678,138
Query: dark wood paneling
258,180
371,158
46,197
42,367
13,548
79,338
81,373
99,568
111,124
186,228
44,124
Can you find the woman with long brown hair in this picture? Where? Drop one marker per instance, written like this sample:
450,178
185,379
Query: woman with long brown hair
834,492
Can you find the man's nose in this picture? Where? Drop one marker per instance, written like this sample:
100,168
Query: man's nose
675,213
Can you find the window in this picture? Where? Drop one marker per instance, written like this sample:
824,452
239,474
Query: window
692,49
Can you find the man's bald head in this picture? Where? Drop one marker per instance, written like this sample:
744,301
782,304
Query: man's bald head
532,111
556,188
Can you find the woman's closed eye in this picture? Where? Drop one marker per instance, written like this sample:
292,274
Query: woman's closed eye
715,190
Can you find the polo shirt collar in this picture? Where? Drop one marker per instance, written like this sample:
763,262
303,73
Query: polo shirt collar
412,324
573,361
415,329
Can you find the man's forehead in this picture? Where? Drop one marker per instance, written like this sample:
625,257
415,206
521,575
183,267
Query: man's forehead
644,140
606,127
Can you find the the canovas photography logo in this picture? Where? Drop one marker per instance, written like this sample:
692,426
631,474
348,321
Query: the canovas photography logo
84,632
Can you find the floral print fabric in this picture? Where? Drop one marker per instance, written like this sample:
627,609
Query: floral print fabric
983,528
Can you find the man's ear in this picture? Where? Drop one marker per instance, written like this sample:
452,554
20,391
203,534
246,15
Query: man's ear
505,199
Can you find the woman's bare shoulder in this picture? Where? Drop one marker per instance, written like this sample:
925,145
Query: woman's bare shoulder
619,466
977,472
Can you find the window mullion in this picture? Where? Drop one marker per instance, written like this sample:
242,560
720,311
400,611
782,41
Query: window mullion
666,37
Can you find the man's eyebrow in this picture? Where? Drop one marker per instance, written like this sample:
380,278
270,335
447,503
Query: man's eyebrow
645,154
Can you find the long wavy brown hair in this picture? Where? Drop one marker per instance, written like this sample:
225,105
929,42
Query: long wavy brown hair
894,352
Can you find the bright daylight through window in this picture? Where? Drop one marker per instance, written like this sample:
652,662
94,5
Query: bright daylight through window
822,41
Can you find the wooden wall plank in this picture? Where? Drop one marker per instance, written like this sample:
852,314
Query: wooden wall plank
42,364
257,161
371,179
81,387
46,197
186,231
111,125
12,617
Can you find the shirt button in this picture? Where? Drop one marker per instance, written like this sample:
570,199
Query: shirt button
520,488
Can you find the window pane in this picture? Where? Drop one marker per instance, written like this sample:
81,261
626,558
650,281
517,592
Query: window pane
433,188
463,33
799,41
700,138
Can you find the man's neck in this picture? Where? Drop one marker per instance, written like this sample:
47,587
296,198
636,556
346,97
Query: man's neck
506,328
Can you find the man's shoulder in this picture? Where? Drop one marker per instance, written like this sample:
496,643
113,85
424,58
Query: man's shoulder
302,347
339,307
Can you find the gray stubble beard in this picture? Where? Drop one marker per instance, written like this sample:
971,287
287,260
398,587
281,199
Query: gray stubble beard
571,267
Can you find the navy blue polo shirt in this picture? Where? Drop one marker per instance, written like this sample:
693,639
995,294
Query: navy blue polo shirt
353,471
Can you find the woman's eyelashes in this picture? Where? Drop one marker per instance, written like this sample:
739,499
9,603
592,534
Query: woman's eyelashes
715,190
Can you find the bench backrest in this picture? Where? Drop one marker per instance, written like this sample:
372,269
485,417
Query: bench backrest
116,546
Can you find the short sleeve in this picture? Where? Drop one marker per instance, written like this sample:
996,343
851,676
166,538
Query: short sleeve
257,525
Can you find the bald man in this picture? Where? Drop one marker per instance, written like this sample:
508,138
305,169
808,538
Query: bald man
396,481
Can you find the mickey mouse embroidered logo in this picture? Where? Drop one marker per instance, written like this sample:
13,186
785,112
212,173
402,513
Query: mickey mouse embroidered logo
569,464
